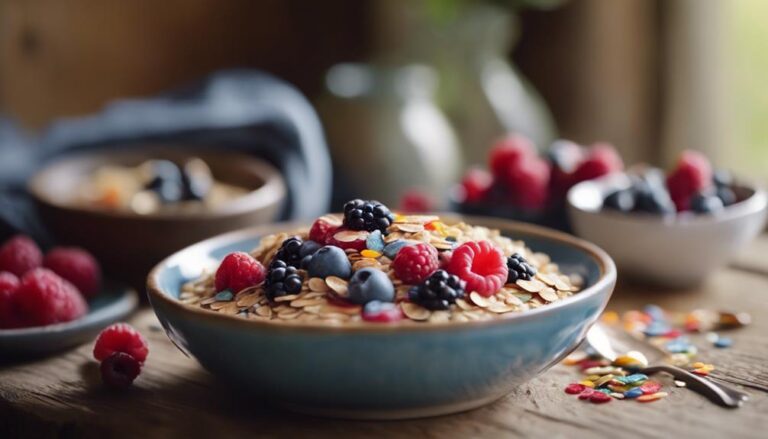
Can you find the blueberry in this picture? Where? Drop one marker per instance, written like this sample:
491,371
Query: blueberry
370,284
706,203
726,195
166,181
722,178
308,248
622,200
654,199
196,179
329,261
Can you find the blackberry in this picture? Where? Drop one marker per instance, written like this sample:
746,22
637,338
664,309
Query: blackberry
519,269
438,291
282,279
367,215
290,252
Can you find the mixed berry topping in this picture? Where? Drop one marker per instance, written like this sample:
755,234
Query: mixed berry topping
438,291
381,312
692,174
414,263
282,279
519,268
367,215
239,271
481,265
323,229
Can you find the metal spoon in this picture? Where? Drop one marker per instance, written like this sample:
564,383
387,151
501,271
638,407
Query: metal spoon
599,340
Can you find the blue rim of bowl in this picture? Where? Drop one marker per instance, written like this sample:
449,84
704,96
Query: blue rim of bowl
605,263
755,203
127,301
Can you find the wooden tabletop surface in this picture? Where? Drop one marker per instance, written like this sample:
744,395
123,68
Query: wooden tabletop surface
175,397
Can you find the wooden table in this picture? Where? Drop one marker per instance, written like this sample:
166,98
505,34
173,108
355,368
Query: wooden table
174,396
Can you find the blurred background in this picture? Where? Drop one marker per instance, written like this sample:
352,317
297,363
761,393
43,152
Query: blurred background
410,93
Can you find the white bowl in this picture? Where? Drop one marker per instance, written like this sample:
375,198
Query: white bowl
674,251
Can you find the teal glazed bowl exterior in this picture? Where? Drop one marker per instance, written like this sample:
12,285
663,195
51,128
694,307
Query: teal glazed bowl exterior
382,371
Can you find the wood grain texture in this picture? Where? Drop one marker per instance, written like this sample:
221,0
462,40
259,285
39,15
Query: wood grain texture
175,397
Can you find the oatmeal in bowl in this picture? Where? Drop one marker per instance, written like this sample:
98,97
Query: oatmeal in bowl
370,314
405,269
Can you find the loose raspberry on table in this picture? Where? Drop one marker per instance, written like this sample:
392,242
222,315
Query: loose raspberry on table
323,229
120,337
9,284
77,266
692,174
481,265
506,153
476,184
414,263
19,255
44,298
119,370
239,271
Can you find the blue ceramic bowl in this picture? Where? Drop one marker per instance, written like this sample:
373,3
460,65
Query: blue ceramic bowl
380,371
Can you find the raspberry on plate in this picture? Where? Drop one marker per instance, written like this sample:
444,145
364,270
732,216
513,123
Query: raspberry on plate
323,229
414,263
476,185
481,265
692,174
9,284
119,370
77,266
19,255
505,154
120,337
44,298
238,271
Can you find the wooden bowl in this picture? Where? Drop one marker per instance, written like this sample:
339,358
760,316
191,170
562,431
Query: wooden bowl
129,244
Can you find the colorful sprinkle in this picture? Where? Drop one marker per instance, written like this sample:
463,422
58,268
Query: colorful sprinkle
650,387
368,253
599,398
723,342
375,242
633,393
652,397
574,388
224,296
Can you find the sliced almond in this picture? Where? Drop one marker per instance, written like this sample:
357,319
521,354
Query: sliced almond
248,300
479,300
501,308
301,303
463,304
338,285
350,235
414,311
547,279
439,316
286,298
264,311
410,228
532,286
317,284
549,294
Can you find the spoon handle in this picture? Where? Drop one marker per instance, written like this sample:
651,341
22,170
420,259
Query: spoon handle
716,392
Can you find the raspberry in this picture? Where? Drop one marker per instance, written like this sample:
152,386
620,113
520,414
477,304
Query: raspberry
44,298
564,157
692,174
416,201
120,337
238,271
602,160
77,266
119,370
414,263
323,229
505,154
19,255
481,265
529,183
476,185
9,284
